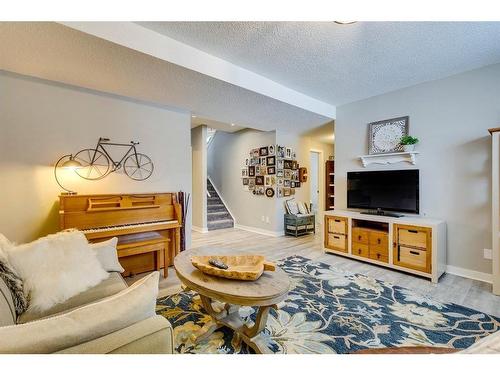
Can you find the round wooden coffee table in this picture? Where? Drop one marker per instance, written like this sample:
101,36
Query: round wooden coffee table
222,298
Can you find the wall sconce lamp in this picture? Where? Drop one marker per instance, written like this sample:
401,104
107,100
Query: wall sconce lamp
67,162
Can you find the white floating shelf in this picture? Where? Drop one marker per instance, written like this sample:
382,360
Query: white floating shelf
395,157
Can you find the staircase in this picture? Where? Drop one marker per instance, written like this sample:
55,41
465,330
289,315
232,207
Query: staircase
218,217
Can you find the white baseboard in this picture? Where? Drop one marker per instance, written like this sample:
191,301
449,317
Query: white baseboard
259,230
199,229
469,274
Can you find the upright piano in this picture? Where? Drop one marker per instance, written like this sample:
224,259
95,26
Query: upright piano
147,226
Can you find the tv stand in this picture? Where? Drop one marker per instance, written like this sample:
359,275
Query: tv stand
414,245
381,213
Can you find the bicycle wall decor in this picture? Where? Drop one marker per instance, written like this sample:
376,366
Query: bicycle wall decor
97,163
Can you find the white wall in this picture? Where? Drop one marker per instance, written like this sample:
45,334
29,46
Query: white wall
226,157
451,117
41,121
199,196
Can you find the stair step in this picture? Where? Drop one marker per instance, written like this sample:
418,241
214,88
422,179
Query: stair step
220,224
215,216
215,208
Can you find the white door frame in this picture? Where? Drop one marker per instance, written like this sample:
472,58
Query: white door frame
321,182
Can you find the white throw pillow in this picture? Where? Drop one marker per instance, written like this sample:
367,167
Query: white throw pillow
56,268
303,208
107,255
132,305
293,209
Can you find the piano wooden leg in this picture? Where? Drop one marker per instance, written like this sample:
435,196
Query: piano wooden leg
157,260
166,259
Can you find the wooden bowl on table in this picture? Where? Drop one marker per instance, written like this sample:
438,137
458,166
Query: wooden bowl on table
240,267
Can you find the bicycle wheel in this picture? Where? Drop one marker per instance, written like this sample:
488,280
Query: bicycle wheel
95,164
138,168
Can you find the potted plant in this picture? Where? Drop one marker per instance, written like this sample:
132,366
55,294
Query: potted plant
408,142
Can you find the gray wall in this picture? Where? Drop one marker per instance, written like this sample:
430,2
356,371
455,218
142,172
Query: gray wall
226,156
40,121
199,148
451,117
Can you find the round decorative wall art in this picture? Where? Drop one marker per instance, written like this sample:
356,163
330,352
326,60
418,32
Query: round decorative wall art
269,192
385,136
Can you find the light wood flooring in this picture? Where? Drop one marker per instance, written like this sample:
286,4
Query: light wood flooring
451,288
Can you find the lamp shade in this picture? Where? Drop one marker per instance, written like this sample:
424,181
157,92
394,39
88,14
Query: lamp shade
71,164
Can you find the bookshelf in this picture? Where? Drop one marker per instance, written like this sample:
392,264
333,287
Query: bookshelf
330,185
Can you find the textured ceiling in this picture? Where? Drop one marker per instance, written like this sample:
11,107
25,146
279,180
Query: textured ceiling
343,63
58,53
228,128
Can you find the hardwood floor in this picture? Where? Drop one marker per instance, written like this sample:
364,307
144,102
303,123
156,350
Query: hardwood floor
451,288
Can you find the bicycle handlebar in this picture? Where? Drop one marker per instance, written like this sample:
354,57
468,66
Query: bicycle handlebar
134,143
104,139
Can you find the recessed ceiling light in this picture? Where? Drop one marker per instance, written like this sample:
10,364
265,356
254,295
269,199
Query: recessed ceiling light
232,124
193,116
345,22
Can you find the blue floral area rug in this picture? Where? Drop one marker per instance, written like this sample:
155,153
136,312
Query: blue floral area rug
329,310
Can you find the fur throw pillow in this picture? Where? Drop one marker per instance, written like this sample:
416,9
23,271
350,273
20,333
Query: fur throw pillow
11,278
56,268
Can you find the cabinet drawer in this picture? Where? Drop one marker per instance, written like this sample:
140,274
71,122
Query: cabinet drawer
413,258
379,253
337,242
360,249
360,235
416,237
379,239
337,225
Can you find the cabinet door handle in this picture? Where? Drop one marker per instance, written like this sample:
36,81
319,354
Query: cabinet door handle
359,251
412,230
337,220
359,238
414,252
337,237
378,241
378,256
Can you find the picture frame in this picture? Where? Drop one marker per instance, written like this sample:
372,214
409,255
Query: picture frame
247,162
279,192
287,164
269,192
259,180
292,184
255,152
280,173
286,183
257,170
292,191
271,160
245,181
280,181
294,165
288,153
271,150
271,170
384,136
259,190
288,174
286,192
244,172
251,171
297,184
280,151
263,162
294,155
251,183
280,164
263,151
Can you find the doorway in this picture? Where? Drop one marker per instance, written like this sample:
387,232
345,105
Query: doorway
315,159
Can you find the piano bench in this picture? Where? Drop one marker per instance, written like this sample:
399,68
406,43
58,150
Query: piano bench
148,246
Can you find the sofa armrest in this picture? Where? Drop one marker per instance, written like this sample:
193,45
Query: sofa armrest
150,336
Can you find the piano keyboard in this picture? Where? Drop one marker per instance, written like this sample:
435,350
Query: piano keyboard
128,226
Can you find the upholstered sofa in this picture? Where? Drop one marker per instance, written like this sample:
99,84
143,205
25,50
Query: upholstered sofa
78,326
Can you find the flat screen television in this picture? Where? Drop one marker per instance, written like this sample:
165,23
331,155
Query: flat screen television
395,191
